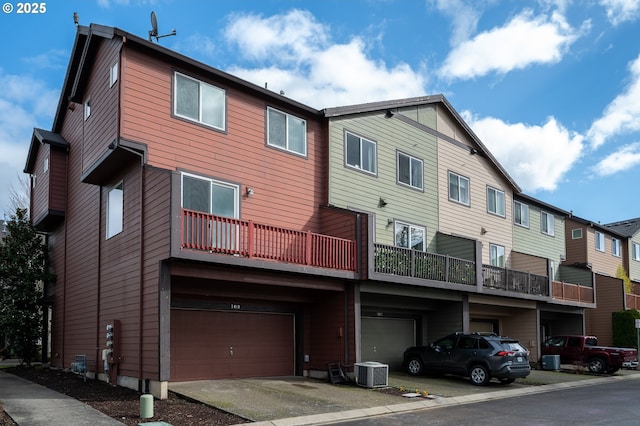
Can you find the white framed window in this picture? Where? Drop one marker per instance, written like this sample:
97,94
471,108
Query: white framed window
576,234
459,189
495,201
46,165
615,247
286,131
521,214
360,153
198,101
210,196
216,198
496,255
410,171
115,210
113,74
599,241
635,251
547,223
87,108
409,236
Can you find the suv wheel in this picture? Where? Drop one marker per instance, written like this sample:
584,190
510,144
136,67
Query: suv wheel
414,366
479,375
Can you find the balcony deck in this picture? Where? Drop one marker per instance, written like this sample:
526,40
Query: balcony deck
224,235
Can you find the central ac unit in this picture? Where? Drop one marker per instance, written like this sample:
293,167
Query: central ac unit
371,374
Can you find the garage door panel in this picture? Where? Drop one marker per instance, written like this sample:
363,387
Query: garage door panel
210,345
385,339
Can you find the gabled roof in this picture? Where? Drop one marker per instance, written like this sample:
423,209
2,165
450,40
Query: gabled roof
542,204
424,100
628,228
40,137
83,53
597,226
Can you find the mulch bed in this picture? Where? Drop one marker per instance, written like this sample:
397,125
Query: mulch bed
121,403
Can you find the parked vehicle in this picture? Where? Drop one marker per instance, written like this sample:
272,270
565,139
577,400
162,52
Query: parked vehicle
480,357
585,350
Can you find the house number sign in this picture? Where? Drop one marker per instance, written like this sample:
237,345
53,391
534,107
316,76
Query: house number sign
235,306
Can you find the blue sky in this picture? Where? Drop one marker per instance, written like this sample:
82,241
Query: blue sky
552,88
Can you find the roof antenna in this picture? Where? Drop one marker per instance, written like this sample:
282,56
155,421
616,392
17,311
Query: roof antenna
153,32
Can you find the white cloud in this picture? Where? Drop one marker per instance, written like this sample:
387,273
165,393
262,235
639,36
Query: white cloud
53,59
623,159
537,157
622,115
310,69
619,11
523,41
464,17
24,102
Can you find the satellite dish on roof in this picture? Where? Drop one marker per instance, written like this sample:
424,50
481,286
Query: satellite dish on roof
153,32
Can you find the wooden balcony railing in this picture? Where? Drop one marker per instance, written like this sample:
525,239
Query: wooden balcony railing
573,292
418,264
217,234
517,281
633,301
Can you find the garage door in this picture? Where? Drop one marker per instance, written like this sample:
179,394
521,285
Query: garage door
385,339
216,345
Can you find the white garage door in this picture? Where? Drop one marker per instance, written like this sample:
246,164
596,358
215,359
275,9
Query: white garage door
385,339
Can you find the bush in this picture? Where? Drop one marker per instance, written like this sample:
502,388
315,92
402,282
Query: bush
625,334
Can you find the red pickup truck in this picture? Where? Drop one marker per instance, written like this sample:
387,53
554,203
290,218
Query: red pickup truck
585,349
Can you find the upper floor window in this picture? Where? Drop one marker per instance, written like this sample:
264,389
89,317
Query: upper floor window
458,188
635,251
115,210
210,196
496,255
199,101
495,201
547,223
409,170
45,167
409,236
360,153
521,214
576,234
599,241
286,131
87,108
615,247
113,74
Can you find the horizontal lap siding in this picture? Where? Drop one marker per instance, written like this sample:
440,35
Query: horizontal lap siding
287,187
100,129
350,188
40,194
57,179
464,220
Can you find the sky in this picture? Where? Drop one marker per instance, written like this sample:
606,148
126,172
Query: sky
551,87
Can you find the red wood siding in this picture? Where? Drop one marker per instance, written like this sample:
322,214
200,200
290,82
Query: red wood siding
576,250
40,192
101,128
58,179
287,187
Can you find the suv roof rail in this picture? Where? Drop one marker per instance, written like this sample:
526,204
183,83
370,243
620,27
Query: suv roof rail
485,333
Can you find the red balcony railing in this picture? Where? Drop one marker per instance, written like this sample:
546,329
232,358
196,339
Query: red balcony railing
573,292
217,234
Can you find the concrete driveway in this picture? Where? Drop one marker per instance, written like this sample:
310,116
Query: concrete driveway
270,399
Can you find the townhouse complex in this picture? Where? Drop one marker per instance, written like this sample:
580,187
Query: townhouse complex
216,229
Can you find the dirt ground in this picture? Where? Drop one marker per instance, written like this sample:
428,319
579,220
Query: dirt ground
121,403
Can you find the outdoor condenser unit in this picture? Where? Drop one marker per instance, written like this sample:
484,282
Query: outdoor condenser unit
371,374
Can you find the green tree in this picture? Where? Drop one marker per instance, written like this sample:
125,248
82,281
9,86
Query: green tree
622,274
23,272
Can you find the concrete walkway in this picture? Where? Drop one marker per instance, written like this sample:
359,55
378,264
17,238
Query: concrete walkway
30,404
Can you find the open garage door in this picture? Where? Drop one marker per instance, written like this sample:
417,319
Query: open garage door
217,345
385,339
